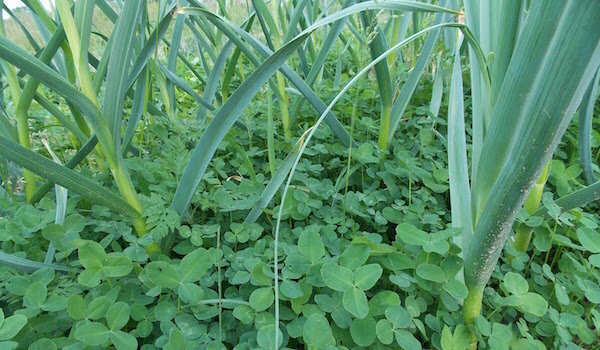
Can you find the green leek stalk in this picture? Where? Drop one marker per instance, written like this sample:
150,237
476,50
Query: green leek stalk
40,11
528,119
283,100
270,136
532,204
78,47
382,74
161,80
22,127
472,309
79,50
384,128
394,38
284,107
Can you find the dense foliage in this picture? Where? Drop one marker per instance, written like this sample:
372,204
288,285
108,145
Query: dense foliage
363,243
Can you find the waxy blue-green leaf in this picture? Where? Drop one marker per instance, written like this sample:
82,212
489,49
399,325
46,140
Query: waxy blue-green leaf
71,164
221,124
172,58
274,184
410,85
64,176
460,193
29,266
34,67
149,49
180,83
116,75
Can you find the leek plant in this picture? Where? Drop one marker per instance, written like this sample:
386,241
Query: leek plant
393,105
103,116
22,129
270,22
542,56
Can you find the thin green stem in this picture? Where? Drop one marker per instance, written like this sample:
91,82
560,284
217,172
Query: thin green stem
522,237
22,128
488,317
220,284
270,136
551,240
472,309
384,128
348,171
283,107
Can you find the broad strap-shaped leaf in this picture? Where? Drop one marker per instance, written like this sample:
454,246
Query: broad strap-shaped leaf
62,118
438,86
172,59
116,76
297,16
504,19
71,164
472,19
29,266
559,46
458,167
267,24
79,45
180,83
576,199
306,91
149,49
212,83
37,69
410,85
332,35
61,205
137,109
274,184
377,46
29,90
203,44
497,24
7,128
64,176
